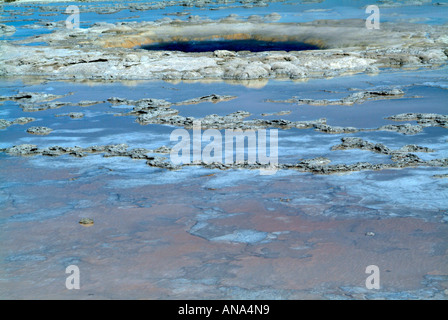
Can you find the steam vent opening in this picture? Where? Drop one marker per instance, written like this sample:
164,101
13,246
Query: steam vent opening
231,45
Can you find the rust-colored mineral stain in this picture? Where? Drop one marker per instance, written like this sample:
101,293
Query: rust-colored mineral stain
134,40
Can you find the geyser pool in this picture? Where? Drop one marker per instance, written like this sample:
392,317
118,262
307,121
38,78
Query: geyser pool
231,45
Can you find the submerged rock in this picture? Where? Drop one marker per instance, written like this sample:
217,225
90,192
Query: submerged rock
355,98
209,98
33,107
440,176
32,97
160,162
73,115
319,161
86,222
334,129
402,154
162,149
280,113
88,103
358,143
423,119
407,129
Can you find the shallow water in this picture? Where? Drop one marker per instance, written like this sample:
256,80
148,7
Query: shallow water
229,235
200,233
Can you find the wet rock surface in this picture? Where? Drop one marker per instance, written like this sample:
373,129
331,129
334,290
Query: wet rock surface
150,111
86,222
440,176
118,150
359,143
354,98
158,111
423,119
73,115
22,120
402,157
280,113
403,128
31,97
40,101
39,130
210,98
7,30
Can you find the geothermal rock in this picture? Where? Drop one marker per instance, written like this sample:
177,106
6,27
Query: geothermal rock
358,143
111,54
209,98
423,119
407,129
39,130
7,30
23,150
73,115
23,120
5,123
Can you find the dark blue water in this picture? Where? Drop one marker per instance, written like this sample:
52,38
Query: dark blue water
232,45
